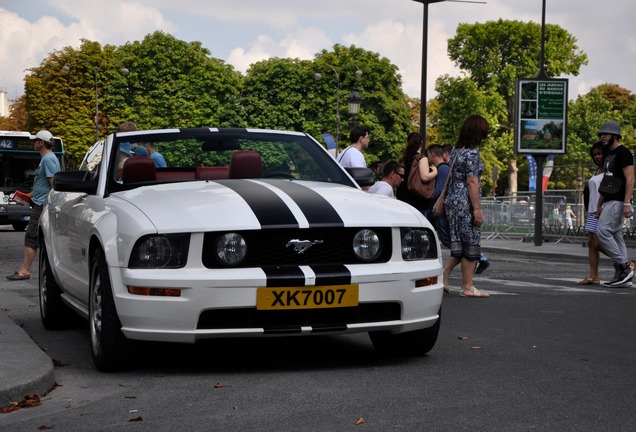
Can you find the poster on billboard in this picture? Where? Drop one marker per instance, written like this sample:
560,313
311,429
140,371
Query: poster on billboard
541,116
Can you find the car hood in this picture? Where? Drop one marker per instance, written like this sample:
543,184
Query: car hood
254,204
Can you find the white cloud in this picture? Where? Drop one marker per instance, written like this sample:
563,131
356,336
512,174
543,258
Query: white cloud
254,30
303,44
401,43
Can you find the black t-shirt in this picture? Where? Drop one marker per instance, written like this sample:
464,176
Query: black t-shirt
615,161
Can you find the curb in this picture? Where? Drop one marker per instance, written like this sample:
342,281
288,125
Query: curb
26,369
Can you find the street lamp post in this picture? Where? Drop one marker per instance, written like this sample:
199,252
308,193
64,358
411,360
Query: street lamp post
424,66
425,59
124,71
354,100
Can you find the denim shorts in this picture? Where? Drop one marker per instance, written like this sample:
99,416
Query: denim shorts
31,235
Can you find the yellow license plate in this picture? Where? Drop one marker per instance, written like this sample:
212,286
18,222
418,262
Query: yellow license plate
309,297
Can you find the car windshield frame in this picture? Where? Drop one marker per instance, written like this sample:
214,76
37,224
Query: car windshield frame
284,155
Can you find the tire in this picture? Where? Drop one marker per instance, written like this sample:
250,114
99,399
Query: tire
414,343
109,346
54,313
19,226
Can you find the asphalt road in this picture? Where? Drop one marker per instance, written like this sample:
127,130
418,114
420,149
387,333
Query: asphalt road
540,354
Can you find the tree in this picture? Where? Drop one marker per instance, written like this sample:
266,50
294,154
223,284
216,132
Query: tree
17,118
384,105
495,53
277,94
60,95
284,93
170,83
586,115
622,100
173,83
460,97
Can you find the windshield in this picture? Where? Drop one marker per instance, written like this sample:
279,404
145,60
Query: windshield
210,154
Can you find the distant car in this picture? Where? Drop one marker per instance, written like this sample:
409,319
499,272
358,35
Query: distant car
246,233
12,213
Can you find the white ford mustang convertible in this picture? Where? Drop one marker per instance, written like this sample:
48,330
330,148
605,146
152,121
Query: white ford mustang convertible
244,233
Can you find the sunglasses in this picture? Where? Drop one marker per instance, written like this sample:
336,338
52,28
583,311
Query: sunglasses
401,175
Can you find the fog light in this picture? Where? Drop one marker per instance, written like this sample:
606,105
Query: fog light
158,292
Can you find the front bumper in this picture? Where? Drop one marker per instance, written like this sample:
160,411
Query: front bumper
225,306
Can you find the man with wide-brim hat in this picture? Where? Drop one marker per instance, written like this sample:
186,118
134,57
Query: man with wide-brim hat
614,205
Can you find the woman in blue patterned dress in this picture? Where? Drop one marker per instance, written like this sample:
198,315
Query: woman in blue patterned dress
462,205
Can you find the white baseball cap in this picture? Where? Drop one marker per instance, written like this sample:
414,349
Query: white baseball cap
43,135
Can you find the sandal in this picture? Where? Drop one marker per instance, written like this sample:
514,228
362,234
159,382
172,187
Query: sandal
17,276
473,292
588,281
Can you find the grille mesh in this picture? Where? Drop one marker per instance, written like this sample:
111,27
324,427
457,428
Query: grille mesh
268,247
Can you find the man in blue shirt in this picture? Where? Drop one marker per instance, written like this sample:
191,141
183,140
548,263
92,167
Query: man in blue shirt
156,157
42,184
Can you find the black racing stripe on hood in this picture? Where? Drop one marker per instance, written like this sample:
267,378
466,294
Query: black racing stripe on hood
293,276
318,211
332,274
269,209
287,276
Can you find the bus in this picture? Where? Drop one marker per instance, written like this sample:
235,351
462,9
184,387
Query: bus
18,162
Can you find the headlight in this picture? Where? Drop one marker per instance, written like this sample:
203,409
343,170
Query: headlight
366,245
231,249
160,251
416,244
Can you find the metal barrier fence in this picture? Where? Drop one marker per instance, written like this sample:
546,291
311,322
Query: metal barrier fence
564,215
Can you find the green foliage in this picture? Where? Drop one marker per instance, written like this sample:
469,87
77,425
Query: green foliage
17,118
585,117
285,93
493,55
277,94
173,83
170,83
384,109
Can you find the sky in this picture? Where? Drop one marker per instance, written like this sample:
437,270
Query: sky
242,32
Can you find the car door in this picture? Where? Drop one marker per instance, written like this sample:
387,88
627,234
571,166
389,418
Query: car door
73,216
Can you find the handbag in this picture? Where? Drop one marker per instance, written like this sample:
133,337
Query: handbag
610,185
416,186
438,207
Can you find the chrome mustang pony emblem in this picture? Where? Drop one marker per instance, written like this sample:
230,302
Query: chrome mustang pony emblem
301,246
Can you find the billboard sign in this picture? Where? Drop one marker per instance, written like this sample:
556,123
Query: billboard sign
541,115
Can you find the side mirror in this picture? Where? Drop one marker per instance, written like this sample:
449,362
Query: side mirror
362,176
74,181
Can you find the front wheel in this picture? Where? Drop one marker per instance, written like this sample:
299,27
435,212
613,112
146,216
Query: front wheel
414,343
109,346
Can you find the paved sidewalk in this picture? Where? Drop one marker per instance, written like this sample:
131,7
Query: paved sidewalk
25,369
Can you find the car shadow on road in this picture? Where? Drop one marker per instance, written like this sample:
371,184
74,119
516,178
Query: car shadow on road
264,354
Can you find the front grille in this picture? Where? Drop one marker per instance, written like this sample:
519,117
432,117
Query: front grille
268,247
290,321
